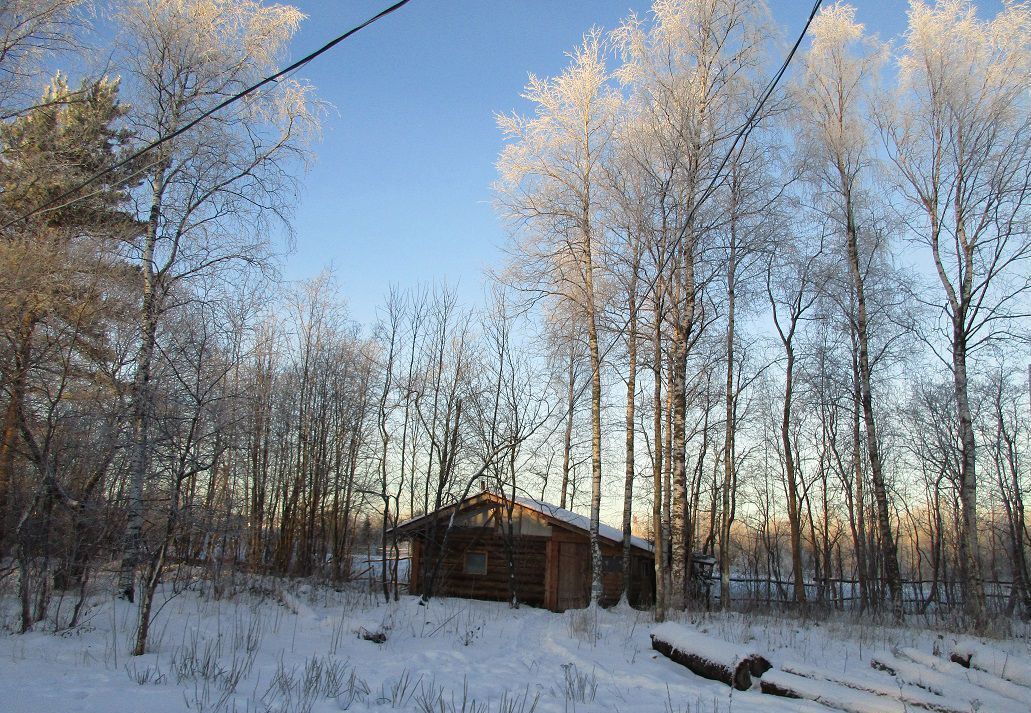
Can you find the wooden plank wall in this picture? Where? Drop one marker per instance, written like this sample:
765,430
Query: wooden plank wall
642,573
641,590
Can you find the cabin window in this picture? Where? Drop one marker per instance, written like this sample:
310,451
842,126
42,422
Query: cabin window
475,563
612,565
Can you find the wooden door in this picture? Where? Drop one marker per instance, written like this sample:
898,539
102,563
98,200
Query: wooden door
573,575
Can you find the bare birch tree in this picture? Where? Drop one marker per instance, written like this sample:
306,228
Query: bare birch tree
836,142
551,184
687,71
208,196
959,134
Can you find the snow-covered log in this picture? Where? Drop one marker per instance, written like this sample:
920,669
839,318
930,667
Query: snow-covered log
971,675
956,689
915,698
831,695
709,657
973,654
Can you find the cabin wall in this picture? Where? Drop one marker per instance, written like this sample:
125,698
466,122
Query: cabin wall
543,548
493,584
642,588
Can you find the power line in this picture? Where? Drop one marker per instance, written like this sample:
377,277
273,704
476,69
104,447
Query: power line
221,105
752,120
750,123
742,133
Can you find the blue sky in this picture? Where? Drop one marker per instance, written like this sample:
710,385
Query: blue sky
400,193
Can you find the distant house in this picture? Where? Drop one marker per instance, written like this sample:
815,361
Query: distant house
551,554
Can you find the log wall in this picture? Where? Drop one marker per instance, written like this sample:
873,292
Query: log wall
537,568
454,581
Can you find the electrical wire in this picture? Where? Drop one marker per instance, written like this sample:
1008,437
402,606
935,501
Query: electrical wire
752,120
750,123
715,182
218,107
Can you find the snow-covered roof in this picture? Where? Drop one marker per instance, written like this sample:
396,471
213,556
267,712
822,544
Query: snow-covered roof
581,522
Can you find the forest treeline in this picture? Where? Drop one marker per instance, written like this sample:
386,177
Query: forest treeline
784,323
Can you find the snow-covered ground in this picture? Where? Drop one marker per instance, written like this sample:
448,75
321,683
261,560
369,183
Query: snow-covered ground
293,648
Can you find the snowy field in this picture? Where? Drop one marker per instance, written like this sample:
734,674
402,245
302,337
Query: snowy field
294,648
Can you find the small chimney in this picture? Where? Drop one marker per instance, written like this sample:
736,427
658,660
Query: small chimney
483,485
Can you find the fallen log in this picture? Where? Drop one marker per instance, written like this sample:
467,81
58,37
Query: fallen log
970,675
973,654
709,657
826,693
916,698
973,696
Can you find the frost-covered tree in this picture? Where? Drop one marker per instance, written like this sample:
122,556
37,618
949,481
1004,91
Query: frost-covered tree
550,187
838,153
57,283
209,195
959,133
690,71
31,33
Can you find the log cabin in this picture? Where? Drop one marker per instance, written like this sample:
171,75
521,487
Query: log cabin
550,553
